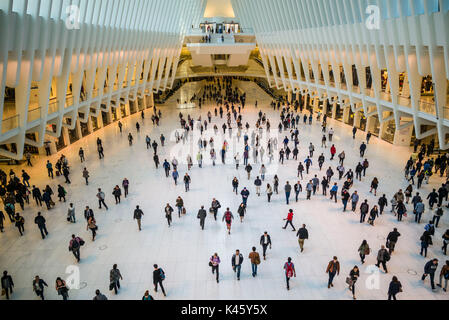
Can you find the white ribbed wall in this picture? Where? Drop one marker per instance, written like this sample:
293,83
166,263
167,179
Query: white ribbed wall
413,38
35,45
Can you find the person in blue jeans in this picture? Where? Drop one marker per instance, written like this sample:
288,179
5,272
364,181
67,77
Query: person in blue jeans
237,260
255,260
245,195
288,189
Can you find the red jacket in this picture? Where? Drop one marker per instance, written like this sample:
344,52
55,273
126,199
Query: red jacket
290,216
333,150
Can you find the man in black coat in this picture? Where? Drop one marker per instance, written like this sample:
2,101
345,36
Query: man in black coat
37,196
392,239
265,240
202,216
7,284
429,269
158,277
302,235
40,221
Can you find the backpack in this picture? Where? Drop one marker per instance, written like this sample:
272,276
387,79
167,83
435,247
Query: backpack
162,274
75,244
257,260
289,271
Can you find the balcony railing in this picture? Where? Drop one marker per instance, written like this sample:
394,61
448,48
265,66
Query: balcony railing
34,114
10,123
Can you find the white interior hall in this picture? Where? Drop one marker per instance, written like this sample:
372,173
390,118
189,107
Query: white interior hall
119,89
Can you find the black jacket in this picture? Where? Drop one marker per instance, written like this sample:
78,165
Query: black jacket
302,233
268,239
40,284
7,282
40,221
393,236
394,288
157,275
428,268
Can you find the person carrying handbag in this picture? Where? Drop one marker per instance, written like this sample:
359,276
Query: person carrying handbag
114,277
92,225
364,250
214,264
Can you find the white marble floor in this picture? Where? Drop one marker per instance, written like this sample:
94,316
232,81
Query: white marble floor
183,250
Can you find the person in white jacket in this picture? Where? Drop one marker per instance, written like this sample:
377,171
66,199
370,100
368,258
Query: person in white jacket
237,160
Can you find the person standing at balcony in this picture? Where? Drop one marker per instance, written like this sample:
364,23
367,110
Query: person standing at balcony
81,154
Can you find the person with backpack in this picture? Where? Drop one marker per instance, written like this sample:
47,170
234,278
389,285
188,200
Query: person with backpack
228,217
38,287
290,271
158,277
214,264
333,268
429,270
114,279
255,261
74,246
138,213
426,240
382,258
444,274
364,250
62,289
125,184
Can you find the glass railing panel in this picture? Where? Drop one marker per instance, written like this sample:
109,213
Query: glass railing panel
10,123
34,114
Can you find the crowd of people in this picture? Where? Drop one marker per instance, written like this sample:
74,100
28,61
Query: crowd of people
339,182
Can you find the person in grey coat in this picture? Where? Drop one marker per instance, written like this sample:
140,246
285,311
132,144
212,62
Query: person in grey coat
419,210
99,296
382,258
202,214
288,190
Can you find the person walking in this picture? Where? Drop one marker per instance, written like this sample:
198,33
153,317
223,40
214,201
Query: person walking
364,250
215,205
289,220
214,263
158,277
19,222
288,190
116,192
429,270
255,261
187,181
125,184
352,279
235,185
101,197
99,296
258,183
394,288
114,278
71,214
40,221
38,287
92,225
138,213
237,260
382,258
426,241
86,176
444,274
245,194
392,238
265,241
241,211
75,245
62,288
228,217
168,213
202,216
7,284
333,268
290,271
302,235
